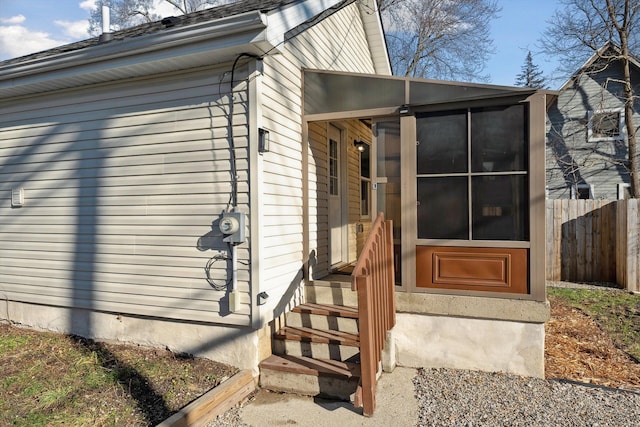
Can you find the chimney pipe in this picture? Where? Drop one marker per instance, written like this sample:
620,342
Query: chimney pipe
106,23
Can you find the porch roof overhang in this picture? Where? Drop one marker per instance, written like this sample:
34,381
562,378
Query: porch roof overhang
328,93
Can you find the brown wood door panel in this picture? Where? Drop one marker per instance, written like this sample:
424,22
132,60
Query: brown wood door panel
478,269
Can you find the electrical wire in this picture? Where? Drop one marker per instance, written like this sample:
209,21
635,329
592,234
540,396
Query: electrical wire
365,4
217,285
233,197
207,270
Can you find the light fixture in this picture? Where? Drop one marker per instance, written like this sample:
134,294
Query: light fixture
262,298
404,110
263,140
360,145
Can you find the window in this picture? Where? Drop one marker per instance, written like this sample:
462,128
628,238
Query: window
333,168
582,191
365,180
606,125
472,174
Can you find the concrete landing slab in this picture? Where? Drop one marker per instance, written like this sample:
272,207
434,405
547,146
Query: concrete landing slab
396,406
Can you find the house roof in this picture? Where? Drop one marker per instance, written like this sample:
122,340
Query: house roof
200,38
609,51
237,8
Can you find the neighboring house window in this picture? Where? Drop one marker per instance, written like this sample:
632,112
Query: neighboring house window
582,191
624,191
365,181
606,125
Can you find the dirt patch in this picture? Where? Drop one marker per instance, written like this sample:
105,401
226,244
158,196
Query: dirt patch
577,349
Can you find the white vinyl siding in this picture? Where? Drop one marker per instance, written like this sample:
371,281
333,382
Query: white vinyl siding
319,196
336,43
122,182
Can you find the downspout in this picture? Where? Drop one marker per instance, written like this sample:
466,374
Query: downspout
256,190
232,208
234,295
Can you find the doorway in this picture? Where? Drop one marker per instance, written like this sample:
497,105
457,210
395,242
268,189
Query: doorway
338,240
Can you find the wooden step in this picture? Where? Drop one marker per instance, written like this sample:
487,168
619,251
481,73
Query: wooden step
300,333
331,292
326,317
327,310
309,366
323,322
312,377
316,350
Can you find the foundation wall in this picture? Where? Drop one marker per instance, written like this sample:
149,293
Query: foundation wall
462,343
236,346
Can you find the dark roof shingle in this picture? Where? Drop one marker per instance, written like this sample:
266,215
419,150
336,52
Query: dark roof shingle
213,13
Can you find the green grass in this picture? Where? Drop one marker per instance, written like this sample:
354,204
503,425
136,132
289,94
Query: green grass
49,379
617,312
11,343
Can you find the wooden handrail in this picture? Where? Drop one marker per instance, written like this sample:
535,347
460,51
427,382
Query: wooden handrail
373,279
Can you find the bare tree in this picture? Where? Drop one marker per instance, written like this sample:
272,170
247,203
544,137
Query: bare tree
530,75
188,6
441,39
128,13
123,14
580,29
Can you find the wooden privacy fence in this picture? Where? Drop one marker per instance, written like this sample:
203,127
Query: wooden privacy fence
373,279
593,240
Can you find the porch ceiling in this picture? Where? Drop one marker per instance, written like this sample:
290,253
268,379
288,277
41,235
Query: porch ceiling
333,92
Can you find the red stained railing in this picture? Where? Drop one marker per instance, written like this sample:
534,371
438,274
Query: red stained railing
373,279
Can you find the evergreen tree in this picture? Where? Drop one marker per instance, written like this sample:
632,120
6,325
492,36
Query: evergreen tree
531,76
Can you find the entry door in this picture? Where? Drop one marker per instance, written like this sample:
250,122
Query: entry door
337,199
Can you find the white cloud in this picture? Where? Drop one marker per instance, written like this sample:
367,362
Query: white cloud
87,5
164,9
76,30
16,40
18,19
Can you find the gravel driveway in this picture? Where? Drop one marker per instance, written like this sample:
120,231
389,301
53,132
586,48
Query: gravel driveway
449,397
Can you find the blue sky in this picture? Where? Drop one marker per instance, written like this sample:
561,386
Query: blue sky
28,26
518,29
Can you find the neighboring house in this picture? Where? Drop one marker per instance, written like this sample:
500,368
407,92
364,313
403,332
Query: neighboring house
587,156
123,158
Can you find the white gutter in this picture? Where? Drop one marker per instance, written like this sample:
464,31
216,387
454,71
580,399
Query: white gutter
160,46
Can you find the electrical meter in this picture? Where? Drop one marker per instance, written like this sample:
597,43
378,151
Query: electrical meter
232,226
229,225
